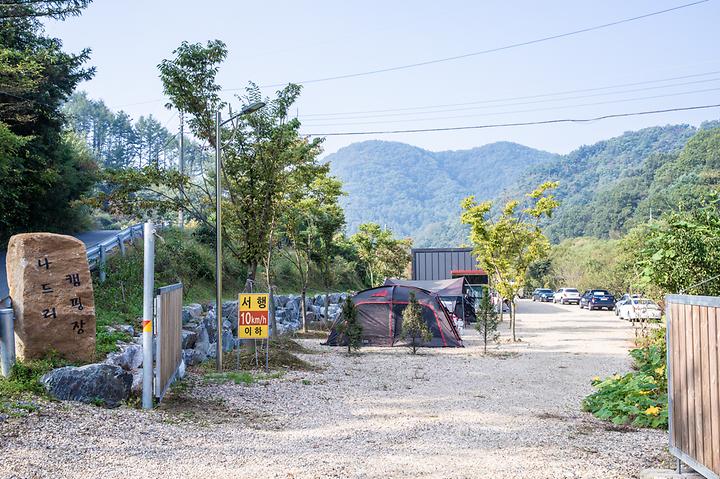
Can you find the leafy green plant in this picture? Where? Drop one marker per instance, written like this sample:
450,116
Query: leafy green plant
487,320
639,398
413,326
350,327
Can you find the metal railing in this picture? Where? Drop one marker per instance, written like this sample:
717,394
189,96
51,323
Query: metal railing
97,254
693,372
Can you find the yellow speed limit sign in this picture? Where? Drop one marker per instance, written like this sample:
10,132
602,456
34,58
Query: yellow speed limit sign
253,315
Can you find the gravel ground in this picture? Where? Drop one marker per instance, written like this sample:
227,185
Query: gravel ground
452,413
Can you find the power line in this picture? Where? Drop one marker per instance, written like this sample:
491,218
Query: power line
525,97
526,123
580,97
530,110
484,52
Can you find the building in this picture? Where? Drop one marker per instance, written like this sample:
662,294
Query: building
432,264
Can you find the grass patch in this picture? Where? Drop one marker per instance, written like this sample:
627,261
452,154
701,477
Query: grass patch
238,377
279,359
312,334
23,385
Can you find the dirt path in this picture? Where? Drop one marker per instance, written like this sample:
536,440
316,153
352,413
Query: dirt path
384,413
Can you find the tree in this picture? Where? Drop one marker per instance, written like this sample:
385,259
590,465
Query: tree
413,326
45,169
261,152
487,320
350,327
382,255
506,247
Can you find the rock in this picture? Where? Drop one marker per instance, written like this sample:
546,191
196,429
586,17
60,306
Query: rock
188,339
228,341
230,310
227,325
212,351
335,298
186,317
310,316
195,310
319,300
202,343
89,384
280,300
131,357
181,369
137,382
193,357
52,293
127,329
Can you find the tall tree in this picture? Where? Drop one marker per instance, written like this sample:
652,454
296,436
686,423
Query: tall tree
382,255
506,247
47,169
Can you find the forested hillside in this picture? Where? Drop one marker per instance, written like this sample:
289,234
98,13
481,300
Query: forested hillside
416,192
605,188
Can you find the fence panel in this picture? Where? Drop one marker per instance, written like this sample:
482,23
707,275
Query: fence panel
168,327
693,356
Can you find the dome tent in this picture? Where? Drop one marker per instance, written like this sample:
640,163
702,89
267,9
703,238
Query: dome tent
380,313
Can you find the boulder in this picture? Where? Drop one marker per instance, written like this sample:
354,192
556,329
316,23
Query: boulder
228,342
186,317
335,298
127,329
230,310
193,357
92,383
280,300
202,343
52,294
188,339
195,310
131,357
137,382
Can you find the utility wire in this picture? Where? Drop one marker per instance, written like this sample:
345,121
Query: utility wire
530,110
526,97
484,52
484,107
526,123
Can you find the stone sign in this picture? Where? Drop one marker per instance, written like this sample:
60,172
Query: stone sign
52,294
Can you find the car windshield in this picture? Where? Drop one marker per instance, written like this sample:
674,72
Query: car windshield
601,292
571,290
544,290
646,302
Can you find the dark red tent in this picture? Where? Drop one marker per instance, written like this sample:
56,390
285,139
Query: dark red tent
380,313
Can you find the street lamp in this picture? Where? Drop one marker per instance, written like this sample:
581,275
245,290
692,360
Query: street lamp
253,107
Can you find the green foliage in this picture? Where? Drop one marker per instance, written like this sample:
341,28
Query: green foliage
25,377
350,327
679,253
413,326
416,192
382,256
506,247
638,398
487,320
45,170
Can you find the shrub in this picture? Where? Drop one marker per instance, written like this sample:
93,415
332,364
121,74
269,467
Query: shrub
487,320
413,326
350,327
638,398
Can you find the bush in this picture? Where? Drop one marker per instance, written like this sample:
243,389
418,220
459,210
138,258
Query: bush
350,327
639,398
413,325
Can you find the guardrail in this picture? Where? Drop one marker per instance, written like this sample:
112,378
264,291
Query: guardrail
97,255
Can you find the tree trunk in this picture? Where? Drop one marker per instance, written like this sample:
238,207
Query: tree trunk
252,270
512,319
271,312
502,304
302,310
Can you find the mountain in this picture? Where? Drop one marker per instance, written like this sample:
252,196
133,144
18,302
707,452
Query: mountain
417,193
605,188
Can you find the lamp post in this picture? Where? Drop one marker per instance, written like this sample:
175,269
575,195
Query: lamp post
253,107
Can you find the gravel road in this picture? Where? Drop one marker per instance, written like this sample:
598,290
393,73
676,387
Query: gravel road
452,413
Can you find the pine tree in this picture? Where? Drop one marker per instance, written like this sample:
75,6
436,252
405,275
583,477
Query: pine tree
414,326
351,327
487,320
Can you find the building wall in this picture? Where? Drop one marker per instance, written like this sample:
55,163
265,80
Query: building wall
436,263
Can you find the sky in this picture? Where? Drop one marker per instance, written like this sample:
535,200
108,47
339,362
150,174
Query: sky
664,61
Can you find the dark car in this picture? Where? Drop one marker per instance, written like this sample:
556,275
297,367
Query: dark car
543,295
597,299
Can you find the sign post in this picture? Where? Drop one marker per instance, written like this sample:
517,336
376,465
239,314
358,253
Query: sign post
253,318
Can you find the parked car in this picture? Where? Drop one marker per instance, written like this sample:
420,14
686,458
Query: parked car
543,295
634,309
597,299
567,296
625,298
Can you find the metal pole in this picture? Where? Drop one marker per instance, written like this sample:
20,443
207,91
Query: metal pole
181,213
148,290
7,341
267,355
218,243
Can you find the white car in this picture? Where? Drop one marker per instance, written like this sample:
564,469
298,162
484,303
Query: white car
634,309
566,296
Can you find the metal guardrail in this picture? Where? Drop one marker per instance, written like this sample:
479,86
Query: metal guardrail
97,255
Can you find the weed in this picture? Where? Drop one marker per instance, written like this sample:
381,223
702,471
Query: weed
306,382
238,377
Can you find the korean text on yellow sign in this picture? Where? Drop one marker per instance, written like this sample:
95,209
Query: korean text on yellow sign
253,316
